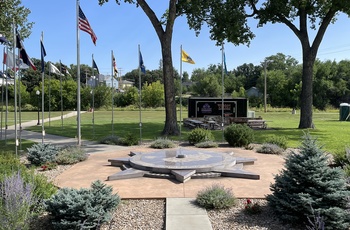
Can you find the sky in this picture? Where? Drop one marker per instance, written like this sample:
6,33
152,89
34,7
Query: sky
122,28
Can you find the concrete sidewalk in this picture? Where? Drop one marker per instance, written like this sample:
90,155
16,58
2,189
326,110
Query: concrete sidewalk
184,214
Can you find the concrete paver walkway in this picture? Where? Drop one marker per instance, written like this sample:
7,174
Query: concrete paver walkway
184,214
181,213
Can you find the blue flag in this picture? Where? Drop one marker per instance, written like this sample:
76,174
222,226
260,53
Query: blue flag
43,54
142,66
95,66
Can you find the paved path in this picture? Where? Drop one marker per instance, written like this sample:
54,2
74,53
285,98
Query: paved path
181,213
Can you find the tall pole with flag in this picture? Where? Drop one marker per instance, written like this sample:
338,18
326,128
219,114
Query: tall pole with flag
142,69
78,76
84,25
43,54
184,57
94,66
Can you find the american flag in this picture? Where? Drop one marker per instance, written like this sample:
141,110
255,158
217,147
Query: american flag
84,25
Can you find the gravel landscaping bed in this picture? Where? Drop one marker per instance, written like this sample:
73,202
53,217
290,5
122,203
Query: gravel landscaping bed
149,214
142,214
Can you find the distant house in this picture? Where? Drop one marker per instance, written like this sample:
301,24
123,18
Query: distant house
109,81
253,92
123,84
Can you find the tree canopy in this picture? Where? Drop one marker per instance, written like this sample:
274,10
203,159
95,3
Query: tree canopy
11,11
227,20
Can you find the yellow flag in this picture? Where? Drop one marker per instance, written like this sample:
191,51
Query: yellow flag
186,58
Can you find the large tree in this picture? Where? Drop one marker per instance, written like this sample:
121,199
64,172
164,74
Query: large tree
300,16
12,11
164,29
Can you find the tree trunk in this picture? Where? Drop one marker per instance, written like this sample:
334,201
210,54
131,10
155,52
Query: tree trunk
170,127
307,91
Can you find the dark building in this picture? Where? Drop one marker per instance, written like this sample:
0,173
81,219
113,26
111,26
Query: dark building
212,106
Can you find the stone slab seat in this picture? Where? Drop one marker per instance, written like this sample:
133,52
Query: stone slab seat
183,175
119,162
126,174
239,173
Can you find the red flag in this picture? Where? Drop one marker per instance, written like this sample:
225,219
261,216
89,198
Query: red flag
84,25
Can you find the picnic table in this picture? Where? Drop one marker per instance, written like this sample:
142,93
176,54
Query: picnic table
192,123
257,124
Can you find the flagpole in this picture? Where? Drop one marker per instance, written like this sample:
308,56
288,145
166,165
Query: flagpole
78,78
6,100
42,98
2,93
112,95
20,110
49,98
61,95
93,101
180,89
140,124
15,84
223,91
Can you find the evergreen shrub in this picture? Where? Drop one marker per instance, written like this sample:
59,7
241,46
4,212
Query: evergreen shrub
42,153
307,181
280,141
199,135
238,135
163,143
83,208
71,155
129,139
216,197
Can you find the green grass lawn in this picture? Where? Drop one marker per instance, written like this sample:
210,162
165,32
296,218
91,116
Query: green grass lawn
331,132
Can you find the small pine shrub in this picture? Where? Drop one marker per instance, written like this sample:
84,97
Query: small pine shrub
307,180
238,135
42,153
280,141
199,135
16,200
216,197
270,149
84,208
71,155
207,144
163,143
110,140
